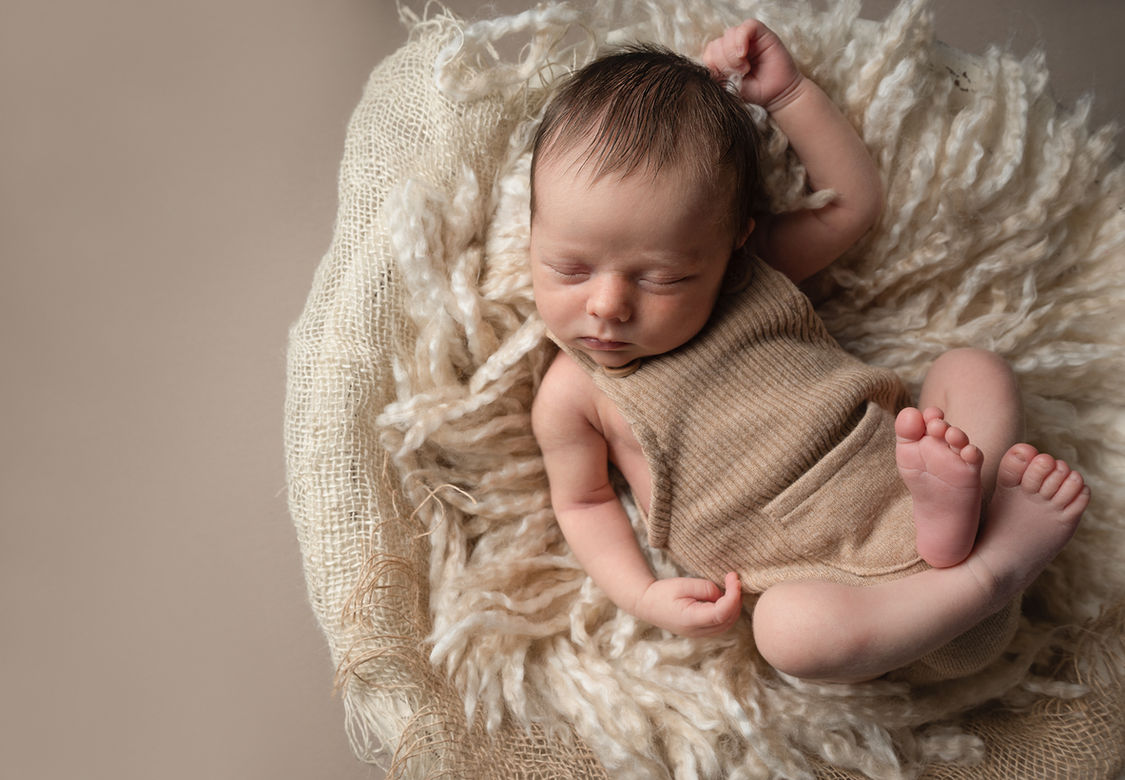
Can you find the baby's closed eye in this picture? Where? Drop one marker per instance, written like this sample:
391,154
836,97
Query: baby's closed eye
664,283
568,271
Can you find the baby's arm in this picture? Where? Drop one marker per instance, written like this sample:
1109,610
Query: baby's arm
801,243
595,524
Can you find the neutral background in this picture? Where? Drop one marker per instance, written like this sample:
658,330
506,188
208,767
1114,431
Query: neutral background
167,187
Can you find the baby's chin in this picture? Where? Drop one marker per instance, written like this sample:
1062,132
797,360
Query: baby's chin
612,360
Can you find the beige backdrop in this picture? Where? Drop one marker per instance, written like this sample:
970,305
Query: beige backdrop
167,187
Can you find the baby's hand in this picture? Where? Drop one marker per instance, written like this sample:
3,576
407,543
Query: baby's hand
765,72
692,607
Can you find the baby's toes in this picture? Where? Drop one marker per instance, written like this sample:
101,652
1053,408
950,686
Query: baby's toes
1037,472
936,427
1014,464
972,455
932,413
1072,487
909,425
956,438
1054,480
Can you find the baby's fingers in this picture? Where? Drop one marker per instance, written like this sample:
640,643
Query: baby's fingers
699,590
736,43
719,615
731,602
715,58
727,53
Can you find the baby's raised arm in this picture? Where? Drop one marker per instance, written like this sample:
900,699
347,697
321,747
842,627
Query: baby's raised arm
801,243
594,522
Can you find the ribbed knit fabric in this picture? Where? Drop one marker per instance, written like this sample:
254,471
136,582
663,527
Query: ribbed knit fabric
969,653
771,453
771,450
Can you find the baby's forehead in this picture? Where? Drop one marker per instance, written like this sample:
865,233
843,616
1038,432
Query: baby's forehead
596,153
579,162
584,162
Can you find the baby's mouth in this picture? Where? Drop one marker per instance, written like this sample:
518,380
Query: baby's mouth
602,344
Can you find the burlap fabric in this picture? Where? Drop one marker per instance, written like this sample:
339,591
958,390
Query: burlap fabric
468,641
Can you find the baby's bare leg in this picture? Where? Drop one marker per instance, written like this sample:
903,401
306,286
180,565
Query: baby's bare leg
975,391
942,470
979,394
842,633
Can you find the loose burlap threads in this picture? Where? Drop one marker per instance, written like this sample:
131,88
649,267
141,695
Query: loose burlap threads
469,643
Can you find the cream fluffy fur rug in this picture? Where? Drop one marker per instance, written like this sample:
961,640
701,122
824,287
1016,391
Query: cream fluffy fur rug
469,641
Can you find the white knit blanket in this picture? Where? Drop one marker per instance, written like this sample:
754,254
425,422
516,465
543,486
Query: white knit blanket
434,564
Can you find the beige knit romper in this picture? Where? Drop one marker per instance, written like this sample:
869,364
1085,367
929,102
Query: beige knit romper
771,451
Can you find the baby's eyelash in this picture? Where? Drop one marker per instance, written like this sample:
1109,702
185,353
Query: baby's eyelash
664,282
569,272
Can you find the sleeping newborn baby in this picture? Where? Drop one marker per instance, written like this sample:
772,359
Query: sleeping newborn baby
761,454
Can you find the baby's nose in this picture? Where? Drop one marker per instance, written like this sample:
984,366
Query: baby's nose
610,299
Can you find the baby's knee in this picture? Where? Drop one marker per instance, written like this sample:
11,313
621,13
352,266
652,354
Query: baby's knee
975,363
801,629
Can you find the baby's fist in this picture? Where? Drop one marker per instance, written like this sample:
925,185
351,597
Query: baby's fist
755,60
692,607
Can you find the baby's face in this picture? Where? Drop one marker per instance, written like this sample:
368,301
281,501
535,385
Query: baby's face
624,268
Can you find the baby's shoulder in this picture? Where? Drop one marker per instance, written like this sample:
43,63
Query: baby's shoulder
564,369
565,383
567,395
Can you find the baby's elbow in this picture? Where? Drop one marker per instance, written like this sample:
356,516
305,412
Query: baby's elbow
869,207
852,217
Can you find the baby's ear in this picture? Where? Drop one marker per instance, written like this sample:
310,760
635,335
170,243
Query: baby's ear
745,234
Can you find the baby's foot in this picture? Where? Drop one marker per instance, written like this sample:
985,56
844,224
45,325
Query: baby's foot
942,471
1034,512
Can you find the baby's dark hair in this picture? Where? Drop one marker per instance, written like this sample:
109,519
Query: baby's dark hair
647,108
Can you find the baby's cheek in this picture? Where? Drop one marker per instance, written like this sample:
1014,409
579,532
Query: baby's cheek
688,315
556,309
